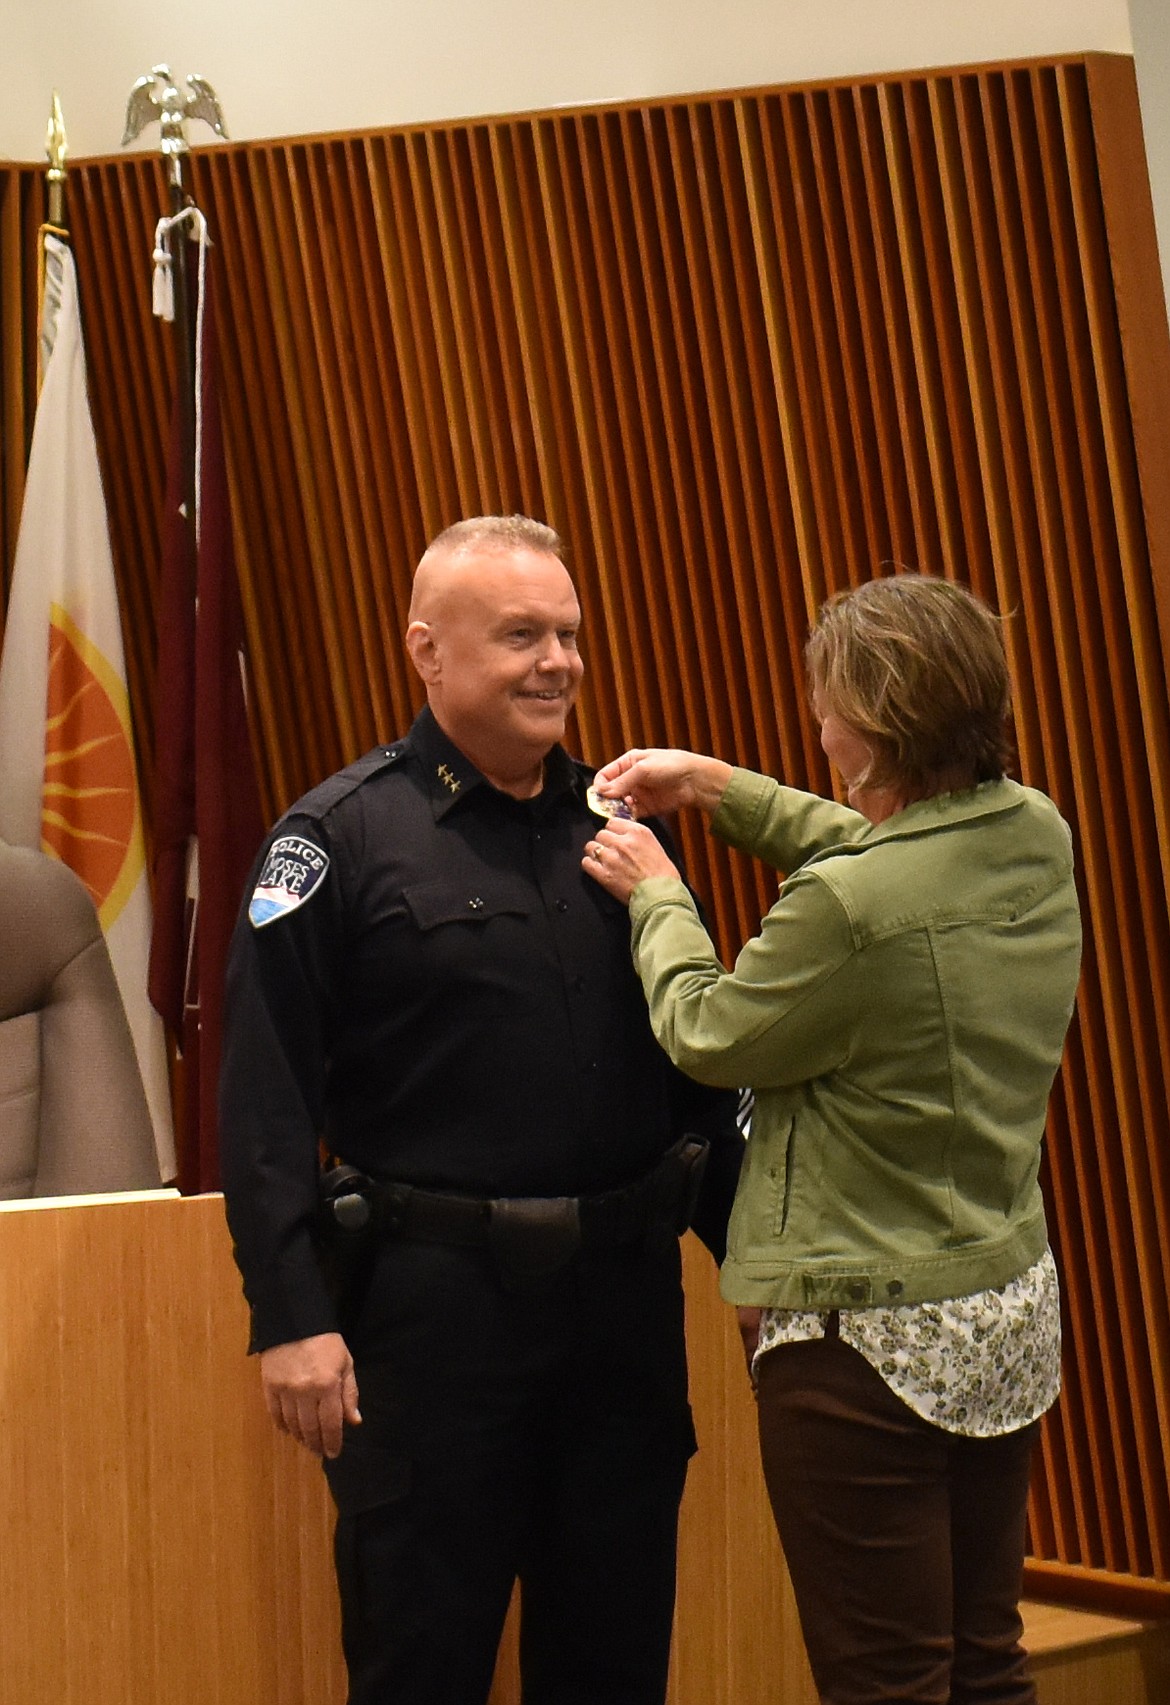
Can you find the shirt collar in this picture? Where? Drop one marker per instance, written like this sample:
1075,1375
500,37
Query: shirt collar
451,778
986,799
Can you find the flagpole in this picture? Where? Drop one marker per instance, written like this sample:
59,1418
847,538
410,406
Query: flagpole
207,817
56,147
184,333
157,98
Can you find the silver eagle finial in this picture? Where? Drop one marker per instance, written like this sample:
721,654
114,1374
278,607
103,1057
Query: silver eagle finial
158,97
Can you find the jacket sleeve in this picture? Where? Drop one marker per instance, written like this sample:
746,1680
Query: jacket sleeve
280,1012
787,1011
782,825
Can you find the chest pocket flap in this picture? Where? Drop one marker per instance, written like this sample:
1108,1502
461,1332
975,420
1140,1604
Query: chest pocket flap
474,901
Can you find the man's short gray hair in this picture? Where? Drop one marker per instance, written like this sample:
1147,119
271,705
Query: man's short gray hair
497,533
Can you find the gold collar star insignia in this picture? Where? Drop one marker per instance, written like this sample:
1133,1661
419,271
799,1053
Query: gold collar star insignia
450,782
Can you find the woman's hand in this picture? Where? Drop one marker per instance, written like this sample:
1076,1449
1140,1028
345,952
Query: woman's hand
664,780
623,855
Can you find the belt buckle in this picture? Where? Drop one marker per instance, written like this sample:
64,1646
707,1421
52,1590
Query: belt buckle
533,1237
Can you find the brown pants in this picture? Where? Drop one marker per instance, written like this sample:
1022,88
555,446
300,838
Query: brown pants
905,1543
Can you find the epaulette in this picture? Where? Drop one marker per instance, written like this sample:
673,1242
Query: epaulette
320,800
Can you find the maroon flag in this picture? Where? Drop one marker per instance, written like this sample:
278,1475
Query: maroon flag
207,817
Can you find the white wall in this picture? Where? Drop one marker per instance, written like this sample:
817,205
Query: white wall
1151,50
289,67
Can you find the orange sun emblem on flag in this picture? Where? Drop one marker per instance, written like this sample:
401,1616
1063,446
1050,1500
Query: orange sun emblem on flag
89,816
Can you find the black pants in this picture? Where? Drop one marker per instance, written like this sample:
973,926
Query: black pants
905,1543
540,1434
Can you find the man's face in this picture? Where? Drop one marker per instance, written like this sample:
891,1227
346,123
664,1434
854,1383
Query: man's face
504,665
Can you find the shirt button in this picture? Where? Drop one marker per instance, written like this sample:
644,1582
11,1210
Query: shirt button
562,905
895,1288
857,1292
578,983
476,904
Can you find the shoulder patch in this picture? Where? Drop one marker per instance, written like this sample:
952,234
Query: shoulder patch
293,869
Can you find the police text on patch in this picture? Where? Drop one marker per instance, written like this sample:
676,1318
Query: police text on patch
292,871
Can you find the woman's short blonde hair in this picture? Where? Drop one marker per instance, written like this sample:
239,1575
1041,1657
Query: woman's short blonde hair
917,665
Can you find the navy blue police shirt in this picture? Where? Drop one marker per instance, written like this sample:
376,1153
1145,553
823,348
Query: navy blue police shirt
426,979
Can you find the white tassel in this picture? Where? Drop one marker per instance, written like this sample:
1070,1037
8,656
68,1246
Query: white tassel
164,282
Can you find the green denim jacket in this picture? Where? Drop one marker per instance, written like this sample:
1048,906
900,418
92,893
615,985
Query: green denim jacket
901,1016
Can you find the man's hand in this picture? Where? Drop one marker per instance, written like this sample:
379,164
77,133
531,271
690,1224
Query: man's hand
623,854
310,1390
664,780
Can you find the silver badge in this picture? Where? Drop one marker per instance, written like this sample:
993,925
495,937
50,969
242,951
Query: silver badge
606,807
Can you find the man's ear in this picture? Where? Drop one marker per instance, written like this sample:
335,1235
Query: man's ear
424,651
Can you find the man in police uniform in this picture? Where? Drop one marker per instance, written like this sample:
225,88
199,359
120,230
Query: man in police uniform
425,980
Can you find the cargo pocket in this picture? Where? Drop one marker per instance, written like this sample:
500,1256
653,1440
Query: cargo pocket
366,1475
373,1541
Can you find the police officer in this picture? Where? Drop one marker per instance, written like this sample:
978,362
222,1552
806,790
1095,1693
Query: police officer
425,982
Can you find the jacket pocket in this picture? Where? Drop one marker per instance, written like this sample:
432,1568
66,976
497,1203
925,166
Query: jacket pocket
780,1178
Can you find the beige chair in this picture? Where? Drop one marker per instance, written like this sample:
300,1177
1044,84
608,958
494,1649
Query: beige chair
73,1114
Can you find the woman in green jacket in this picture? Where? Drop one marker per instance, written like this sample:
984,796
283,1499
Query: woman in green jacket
900,1017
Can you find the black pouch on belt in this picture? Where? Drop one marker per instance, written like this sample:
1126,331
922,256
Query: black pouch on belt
531,1238
693,1161
673,1191
346,1232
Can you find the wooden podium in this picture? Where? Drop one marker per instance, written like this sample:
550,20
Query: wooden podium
162,1545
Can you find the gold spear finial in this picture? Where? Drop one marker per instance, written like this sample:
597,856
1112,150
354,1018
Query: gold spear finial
56,147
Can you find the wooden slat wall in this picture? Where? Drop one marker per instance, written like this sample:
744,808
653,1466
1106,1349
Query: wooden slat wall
742,351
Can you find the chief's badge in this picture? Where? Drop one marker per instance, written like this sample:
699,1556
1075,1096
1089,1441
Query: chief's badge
293,869
602,807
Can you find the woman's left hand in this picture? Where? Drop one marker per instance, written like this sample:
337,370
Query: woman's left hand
622,855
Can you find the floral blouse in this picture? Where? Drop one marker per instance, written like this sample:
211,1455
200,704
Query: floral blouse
980,1365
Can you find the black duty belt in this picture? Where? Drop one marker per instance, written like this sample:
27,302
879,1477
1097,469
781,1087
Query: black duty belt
531,1237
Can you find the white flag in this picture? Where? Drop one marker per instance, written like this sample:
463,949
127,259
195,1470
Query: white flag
68,782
